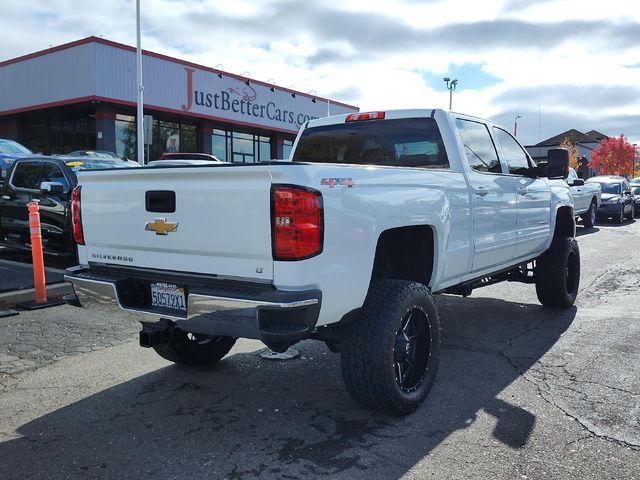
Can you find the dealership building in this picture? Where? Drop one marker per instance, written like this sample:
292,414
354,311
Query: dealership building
82,95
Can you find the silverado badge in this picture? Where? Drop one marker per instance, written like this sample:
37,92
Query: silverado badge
161,226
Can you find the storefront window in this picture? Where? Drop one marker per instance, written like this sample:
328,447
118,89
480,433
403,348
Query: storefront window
59,134
188,138
219,144
126,136
287,146
240,147
264,149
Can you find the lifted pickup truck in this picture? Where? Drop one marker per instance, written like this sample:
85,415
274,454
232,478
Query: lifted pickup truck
344,243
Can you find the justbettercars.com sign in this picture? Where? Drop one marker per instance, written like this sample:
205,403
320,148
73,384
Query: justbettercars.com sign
227,97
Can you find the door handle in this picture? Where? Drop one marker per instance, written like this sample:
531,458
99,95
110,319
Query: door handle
480,191
522,191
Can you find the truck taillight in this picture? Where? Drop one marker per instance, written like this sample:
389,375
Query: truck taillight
76,217
359,117
296,222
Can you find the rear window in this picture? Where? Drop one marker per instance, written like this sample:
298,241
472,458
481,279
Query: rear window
406,142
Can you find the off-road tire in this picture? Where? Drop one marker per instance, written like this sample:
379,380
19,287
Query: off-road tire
589,218
195,350
557,273
376,347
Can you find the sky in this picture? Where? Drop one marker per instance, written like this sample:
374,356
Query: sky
559,64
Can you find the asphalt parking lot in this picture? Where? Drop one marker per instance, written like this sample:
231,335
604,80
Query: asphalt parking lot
523,392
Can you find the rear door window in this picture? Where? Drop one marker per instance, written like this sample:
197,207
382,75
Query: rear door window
406,142
27,175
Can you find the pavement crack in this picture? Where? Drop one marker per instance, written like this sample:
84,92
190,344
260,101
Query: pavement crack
548,397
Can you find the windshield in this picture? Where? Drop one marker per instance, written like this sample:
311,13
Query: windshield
610,188
406,142
10,147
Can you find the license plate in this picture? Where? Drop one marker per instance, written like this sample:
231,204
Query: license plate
168,296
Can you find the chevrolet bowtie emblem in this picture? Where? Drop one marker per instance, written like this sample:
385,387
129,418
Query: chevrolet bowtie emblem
161,226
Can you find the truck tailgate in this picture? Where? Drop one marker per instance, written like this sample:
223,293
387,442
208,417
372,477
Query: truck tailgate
222,219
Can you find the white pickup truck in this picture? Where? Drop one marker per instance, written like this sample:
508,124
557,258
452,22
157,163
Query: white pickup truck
586,198
346,243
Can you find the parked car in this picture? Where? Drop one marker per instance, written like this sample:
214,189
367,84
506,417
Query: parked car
49,180
189,156
105,154
10,151
95,154
616,200
635,191
586,198
184,159
345,243
182,163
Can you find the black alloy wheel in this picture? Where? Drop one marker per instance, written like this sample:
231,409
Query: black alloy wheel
412,351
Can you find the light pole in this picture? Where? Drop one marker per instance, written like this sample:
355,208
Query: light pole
515,125
451,86
139,87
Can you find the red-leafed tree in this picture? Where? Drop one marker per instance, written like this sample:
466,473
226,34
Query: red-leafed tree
614,156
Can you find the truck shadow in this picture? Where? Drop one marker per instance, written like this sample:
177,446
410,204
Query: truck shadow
580,231
252,418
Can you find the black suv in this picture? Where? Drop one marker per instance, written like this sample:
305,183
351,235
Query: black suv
49,180
617,200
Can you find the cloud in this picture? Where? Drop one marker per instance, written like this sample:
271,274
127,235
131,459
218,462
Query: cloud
474,75
580,65
517,5
591,98
533,128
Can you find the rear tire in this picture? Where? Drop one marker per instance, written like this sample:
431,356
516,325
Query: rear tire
589,218
391,350
195,350
557,273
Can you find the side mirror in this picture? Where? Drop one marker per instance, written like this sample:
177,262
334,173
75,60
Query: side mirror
578,182
557,163
51,187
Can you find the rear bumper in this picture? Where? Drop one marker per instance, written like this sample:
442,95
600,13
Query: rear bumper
214,307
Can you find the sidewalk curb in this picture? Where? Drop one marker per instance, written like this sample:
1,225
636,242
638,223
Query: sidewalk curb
9,299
